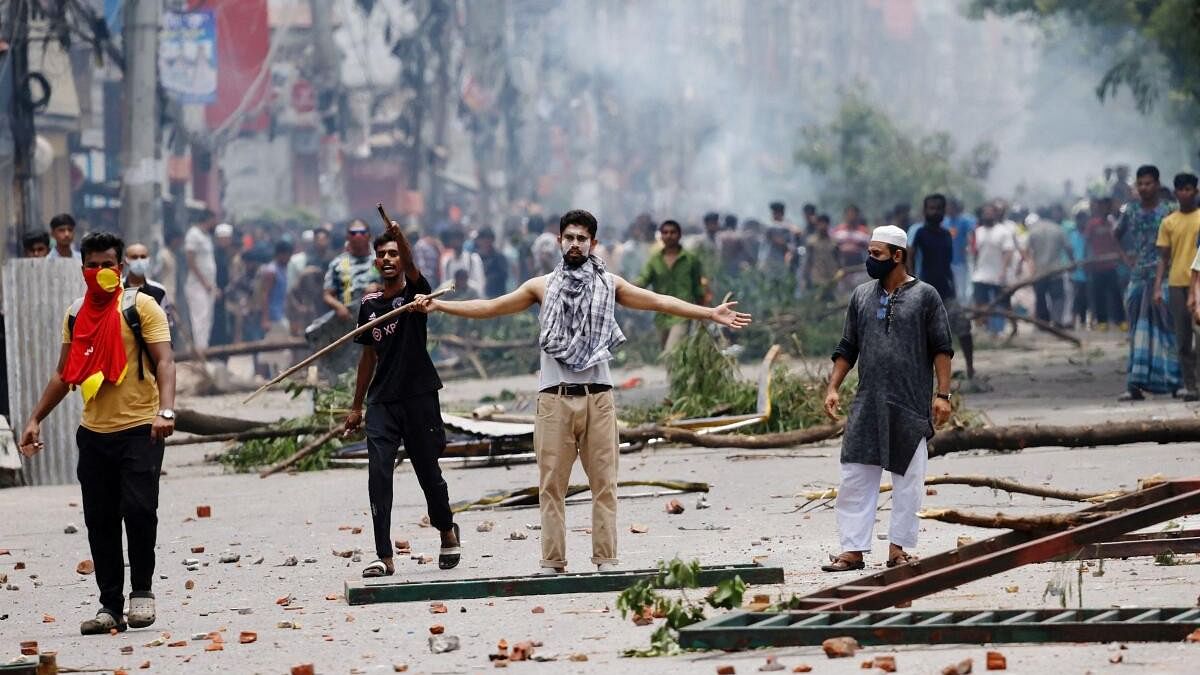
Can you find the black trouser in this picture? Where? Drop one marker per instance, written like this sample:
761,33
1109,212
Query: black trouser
1049,295
1079,302
417,423
118,476
1107,304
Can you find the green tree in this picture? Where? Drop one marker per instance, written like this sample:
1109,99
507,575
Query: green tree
1150,47
863,157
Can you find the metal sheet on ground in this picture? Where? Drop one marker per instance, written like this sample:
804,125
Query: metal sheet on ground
750,630
368,591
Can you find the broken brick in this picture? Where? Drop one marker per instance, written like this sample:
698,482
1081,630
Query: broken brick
840,647
674,507
725,670
437,608
29,648
867,665
204,511
197,549
437,629
802,668
885,663
284,601
189,584
46,618
996,661
399,667
178,643
638,528
247,636
145,665
127,649
85,567
402,545
578,658
1194,636
644,617
331,596
303,669
18,565
214,647
522,651
538,610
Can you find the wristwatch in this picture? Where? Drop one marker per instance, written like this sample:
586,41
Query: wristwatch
944,397
166,414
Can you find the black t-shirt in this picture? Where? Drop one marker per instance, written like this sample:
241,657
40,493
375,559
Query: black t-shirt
404,368
935,248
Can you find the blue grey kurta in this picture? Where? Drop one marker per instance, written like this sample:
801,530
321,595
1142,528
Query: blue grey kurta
893,345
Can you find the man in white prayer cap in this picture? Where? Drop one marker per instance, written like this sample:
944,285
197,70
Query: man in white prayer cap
897,332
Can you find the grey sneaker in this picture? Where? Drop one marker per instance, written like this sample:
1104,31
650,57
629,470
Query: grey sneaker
103,624
141,610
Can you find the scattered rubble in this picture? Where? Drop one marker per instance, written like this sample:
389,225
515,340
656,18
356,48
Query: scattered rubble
840,647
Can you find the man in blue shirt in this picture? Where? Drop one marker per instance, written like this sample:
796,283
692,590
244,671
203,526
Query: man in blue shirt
931,246
961,225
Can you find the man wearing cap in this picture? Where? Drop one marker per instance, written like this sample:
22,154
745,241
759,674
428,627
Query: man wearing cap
897,331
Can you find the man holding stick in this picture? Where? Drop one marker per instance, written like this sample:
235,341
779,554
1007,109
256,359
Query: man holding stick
575,413
403,399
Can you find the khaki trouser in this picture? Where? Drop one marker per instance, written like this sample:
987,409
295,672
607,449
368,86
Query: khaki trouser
567,427
674,335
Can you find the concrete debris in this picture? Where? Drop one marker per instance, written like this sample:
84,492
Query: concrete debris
771,665
230,557
517,536
71,528
485,526
441,644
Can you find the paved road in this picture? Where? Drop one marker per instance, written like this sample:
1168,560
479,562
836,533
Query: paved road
753,510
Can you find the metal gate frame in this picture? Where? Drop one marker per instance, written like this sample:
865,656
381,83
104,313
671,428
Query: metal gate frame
381,590
897,585
749,630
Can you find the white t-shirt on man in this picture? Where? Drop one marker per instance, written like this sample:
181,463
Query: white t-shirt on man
991,243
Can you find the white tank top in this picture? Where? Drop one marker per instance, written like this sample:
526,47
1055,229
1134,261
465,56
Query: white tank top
553,373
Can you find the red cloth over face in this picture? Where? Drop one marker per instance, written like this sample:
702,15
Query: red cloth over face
97,352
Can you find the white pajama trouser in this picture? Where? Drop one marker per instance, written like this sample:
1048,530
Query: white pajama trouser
858,496
200,309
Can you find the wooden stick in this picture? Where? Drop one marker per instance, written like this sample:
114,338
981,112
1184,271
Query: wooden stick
302,452
1007,291
250,435
343,340
995,484
1040,523
1013,316
742,441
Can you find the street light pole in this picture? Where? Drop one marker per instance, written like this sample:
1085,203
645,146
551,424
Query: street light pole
141,165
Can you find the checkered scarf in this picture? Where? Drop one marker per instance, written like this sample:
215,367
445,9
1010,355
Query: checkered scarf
579,324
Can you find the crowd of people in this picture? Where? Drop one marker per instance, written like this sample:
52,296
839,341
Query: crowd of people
1128,246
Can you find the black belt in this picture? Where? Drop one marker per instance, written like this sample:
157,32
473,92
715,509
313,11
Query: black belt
576,389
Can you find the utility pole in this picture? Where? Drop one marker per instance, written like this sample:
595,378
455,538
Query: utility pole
25,194
327,82
141,166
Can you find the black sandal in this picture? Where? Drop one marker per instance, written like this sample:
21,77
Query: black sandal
376,569
841,563
448,558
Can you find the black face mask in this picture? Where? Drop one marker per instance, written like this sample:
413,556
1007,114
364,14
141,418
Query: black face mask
878,269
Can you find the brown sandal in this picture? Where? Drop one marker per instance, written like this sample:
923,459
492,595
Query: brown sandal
902,558
843,563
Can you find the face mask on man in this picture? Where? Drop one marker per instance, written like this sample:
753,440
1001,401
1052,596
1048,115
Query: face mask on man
878,269
138,267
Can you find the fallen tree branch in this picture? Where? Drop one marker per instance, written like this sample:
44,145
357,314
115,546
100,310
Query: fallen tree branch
192,422
993,483
302,452
781,439
529,496
1021,488
1007,291
1013,316
251,435
1018,437
1039,523
482,343
238,348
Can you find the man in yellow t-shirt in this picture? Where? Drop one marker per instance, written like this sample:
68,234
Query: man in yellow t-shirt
1177,245
129,390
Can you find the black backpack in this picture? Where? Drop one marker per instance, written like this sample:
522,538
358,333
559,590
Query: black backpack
132,319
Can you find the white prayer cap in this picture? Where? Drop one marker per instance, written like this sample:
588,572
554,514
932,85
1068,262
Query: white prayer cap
890,234
223,230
